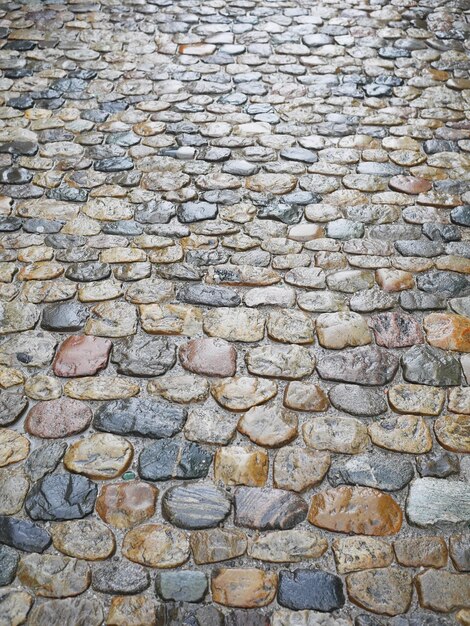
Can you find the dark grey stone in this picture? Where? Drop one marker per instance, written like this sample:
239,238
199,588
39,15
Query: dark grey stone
438,463
310,589
9,560
64,317
44,460
12,406
388,473
23,534
181,586
119,576
88,272
168,458
358,400
143,356
190,212
195,506
363,366
448,284
208,295
61,497
427,365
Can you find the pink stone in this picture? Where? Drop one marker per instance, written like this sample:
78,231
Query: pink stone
209,357
81,355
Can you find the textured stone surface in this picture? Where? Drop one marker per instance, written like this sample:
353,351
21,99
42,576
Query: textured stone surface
198,506
310,589
81,356
54,576
245,588
384,591
361,553
156,545
434,501
268,509
55,419
126,504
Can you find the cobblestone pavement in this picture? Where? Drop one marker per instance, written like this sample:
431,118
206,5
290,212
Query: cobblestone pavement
235,313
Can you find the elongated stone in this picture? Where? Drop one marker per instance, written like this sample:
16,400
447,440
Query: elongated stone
245,588
268,509
242,392
443,591
404,433
363,366
68,611
166,459
217,544
287,546
100,456
156,545
209,357
268,426
354,554
434,501
336,434
195,506
59,418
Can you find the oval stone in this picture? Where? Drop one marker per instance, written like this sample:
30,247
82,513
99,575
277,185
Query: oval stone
126,504
268,509
83,539
195,506
61,497
403,433
52,576
81,356
100,456
156,545
385,591
245,588
209,357
59,418
453,432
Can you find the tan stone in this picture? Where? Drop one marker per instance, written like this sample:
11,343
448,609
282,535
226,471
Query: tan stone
287,546
269,426
217,544
448,331
459,400
14,447
290,326
83,539
53,576
101,456
242,392
416,399
245,588
101,388
280,361
132,611
112,319
277,184
439,590
240,324
358,510
15,606
421,551
392,280
240,465
305,397
298,469
403,433
385,591
453,432
354,554
171,319
156,545
346,435
342,330
182,389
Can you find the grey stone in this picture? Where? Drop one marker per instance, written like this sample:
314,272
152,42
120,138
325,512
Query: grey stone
61,497
119,576
435,501
143,356
9,559
358,400
427,365
195,506
166,459
378,471
181,586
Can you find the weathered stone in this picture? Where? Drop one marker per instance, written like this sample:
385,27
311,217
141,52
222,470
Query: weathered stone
342,330
17,316
460,552
126,504
83,539
23,535
453,432
268,426
166,459
433,501
245,588
427,365
239,465
354,554
217,544
298,469
385,591
290,362
290,326
32,348
438,463
156,545
100,456
67,317
396,330
268,509
209,357
181,389
310,589
372,470
59,418
15,606
61,497
287,546
181,586
101,388
170,319
13,447
68,612
286,617
241,324
416,399
242,392
132,611
195,506
81,356
120,576
403,433
12,405
421,551
357,400
336,434
210,426
14,486
359,510
443,591
9,560
44,459
305,397
143,356
52,576
363,366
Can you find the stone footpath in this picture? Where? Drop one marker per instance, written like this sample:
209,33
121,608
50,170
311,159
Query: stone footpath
234,312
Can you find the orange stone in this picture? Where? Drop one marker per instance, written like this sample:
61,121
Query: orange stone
126,504
245,588
358,510
448,331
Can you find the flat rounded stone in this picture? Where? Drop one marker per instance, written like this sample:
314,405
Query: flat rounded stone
277,184
66,317
101,388
443,591
181,389
305,397
310,589
242,392
83,539
118,575
61,497
354,554
287,546
438,463
363,366
143,356
15,606
421,551
17,316
448,331
13,447
33,348
244,588
416,399
298,469
217,544
288,362
156,545
396,330
342,330
434,501
402,433
209,357
181,586
12,406
52,576
270,427
240,324
427,365
384,591
142,417
453,432
170,319
373,470
126,504
358,400
42,387
100,456
9,559
241,465
81,355
358,510
67,612
412,185
132,611
346,435
268,509
195,506
166,459
59,418
23,534
210,426
459,400
290,326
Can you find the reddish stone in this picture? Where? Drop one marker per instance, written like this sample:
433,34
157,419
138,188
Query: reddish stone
396,330
54,419
81,355
410,184
359,510
209,357
126,504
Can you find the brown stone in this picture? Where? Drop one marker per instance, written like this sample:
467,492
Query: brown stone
242,392
268,509
396,330
305,397
132,611
402,433
81,355
245,588
126,504
460,551
443,591
385,591
182,389
209,357
59,418
416,399
239,465
217,544
298,469
448,331
156,545
358,510
421,551
269,426
287,546
412,185
15,606
83,539
170,319
101,388
13,447
101,456
391,280
353,554
52,576
453,432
